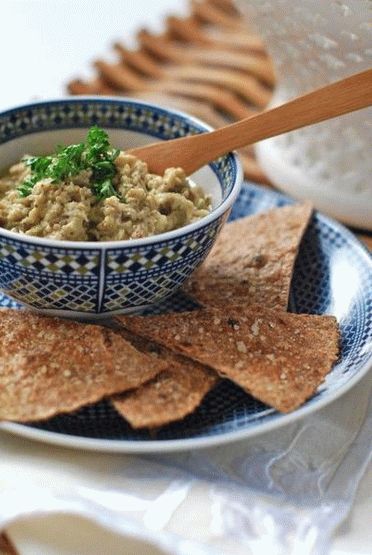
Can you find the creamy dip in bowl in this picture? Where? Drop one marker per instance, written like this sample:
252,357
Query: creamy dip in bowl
90,191
121,253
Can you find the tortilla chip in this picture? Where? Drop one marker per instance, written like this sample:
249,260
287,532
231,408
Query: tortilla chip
171,395
252,260
279,358
49,366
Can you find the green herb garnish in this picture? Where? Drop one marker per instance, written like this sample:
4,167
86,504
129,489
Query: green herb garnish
96,154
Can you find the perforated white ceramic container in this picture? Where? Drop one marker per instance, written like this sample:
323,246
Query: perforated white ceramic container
313,43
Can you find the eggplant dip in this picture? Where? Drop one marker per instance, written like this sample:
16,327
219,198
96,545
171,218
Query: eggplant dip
93,192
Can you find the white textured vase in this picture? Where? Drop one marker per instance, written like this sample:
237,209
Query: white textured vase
312,43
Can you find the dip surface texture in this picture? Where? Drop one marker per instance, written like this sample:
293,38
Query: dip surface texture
144,204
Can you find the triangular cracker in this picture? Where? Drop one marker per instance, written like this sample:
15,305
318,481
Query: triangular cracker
49,366
252,260
171,395
280,358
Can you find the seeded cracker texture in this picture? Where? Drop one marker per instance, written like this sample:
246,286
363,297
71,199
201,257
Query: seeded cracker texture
279,358
50,366
171,395
263,262
252,260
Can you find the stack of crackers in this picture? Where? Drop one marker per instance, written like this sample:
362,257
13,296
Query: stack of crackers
157,369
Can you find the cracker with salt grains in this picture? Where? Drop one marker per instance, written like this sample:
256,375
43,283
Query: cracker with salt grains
173,394
279,358
252,260
50,366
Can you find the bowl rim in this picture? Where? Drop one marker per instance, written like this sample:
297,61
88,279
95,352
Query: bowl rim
126,243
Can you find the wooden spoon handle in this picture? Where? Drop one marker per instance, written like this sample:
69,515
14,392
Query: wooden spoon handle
191,153
347,95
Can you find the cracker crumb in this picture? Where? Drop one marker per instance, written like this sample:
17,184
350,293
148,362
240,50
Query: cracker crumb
67,373
255,328
271,357
177,337
240,345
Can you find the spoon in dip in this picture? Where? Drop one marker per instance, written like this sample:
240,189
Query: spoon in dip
193,152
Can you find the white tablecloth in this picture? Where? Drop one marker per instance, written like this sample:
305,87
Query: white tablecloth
281,493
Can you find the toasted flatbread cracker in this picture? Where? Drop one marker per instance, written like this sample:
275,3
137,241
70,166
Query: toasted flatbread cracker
171,395
252,260
279,358
50,366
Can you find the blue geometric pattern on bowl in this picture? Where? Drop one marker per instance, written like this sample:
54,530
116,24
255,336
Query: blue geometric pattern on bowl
328,253
167,263
50,277
97,281
88,280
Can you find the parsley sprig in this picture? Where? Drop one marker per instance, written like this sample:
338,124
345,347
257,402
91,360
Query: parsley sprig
96,154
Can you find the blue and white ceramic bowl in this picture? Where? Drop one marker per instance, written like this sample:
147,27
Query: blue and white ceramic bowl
99,279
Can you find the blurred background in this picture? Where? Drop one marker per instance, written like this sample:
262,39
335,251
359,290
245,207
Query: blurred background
45,43
221,60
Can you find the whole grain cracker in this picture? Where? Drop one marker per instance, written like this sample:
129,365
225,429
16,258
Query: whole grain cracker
171,395
50,366
279,358
252,260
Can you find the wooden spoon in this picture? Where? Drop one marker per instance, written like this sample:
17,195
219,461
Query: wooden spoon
191,153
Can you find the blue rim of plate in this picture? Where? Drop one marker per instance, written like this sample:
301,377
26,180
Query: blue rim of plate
333,275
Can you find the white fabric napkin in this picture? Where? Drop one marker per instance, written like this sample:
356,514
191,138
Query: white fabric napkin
281,493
